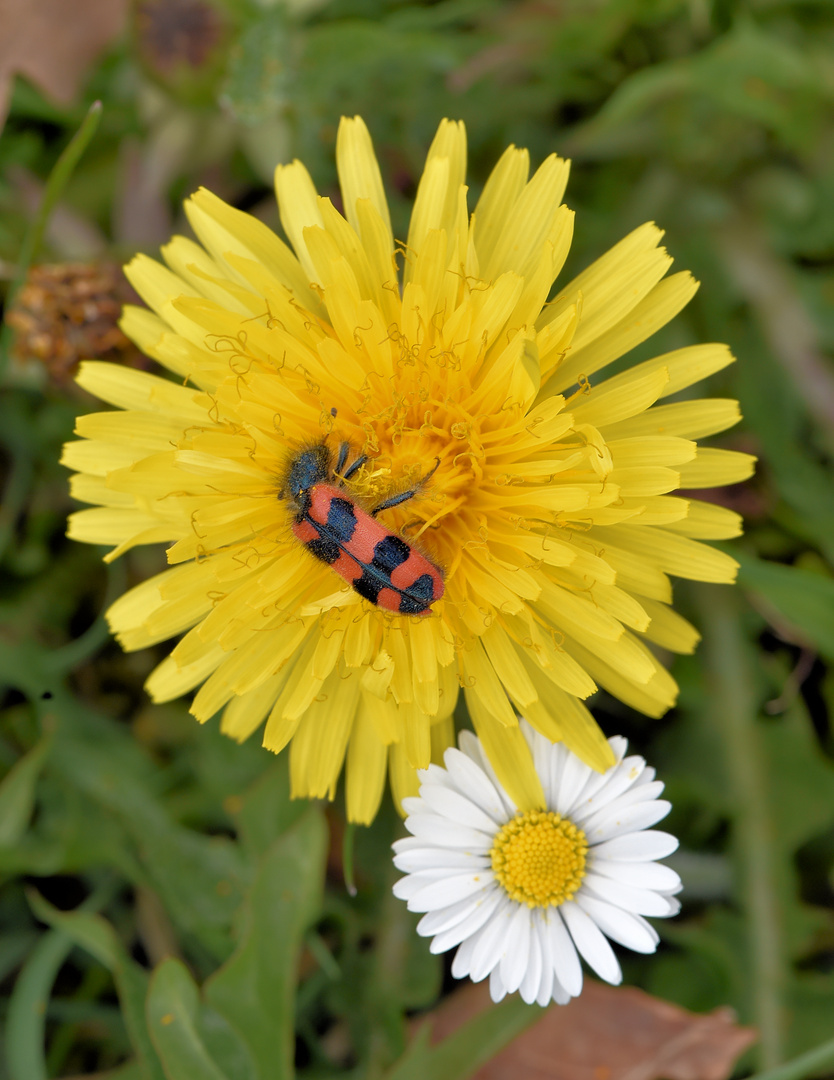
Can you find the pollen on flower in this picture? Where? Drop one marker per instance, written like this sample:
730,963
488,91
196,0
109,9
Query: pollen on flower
539,858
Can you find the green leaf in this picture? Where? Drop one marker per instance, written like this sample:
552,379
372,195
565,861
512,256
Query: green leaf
131,1070
93,933
267,810
198,877
17,793
26,1017
801,779
132,987
470,1047
259,69
255,988
801,597
14,946
758,77
30,997
173,1020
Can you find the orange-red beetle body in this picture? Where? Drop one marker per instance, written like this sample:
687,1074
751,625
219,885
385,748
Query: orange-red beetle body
378,564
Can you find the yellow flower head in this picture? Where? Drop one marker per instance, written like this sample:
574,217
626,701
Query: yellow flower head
549,513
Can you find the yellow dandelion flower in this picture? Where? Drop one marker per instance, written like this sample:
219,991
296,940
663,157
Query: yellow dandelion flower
549,513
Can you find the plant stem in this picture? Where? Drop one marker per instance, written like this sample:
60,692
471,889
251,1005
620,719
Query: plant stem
734,710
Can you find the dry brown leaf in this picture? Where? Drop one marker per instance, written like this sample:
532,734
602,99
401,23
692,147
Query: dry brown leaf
53,42
608,1033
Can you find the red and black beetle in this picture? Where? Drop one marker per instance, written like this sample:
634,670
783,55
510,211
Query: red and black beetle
378,564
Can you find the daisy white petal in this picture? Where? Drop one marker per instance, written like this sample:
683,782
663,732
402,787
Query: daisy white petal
621,926
531,978
631,819
497,989
473,782
559,993
434,774
422,858
516,958
648,875
647,926
575,775
635,847
547,977
600,808
591,943
409,886
437,830
442,919
462,963
451,804
492,942
448,890
603,788
640,901
552,775
470,745
480,912
565,957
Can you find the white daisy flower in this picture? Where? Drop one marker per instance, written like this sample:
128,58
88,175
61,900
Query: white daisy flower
524,895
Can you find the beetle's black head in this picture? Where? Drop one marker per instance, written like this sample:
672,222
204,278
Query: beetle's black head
309,467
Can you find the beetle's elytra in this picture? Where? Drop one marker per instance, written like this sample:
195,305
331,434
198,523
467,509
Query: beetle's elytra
378,564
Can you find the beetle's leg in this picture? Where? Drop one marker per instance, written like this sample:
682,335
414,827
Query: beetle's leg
360,461
404,496
395,500
429,475
344,450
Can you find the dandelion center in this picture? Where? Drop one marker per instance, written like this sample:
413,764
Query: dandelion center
539,858
422,414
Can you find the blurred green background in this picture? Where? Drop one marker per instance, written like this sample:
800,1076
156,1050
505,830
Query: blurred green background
128,834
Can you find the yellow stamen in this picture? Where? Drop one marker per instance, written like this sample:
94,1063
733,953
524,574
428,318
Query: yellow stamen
539,858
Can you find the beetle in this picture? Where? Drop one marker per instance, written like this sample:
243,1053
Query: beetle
379,565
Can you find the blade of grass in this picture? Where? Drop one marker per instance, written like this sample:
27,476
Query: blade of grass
816,1062
58,178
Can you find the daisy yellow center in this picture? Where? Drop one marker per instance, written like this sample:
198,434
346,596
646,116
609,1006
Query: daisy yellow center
539,858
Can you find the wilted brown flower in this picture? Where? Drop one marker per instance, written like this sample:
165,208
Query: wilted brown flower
67,312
